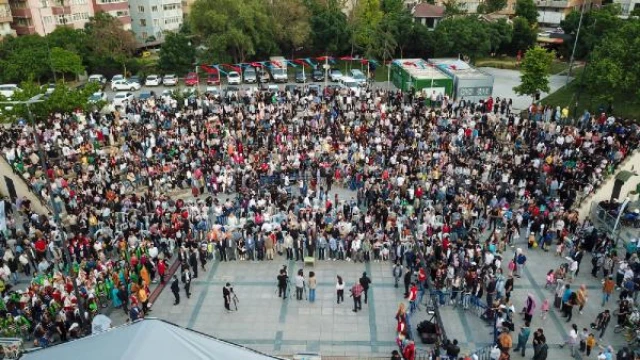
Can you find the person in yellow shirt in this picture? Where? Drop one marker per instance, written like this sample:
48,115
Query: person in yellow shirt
591,342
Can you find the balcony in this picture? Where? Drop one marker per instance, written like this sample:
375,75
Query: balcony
552,4
5,18
21,13
61,10
24,30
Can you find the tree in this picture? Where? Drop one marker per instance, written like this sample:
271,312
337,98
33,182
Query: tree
528,10
330,30
176,54
290,19
233,30
595,24
66,62
394,28
108,42
535,68
523,35
24,58
501,34
419,42
491,6
464,35
367,16
452,8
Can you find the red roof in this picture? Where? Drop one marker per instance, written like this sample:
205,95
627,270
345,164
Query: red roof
426,10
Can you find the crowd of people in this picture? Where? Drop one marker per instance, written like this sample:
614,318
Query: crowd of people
428,178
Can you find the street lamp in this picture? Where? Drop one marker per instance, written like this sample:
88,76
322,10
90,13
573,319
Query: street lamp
56,216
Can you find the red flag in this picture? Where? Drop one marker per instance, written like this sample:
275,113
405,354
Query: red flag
347,58
301,62
364,61
255,64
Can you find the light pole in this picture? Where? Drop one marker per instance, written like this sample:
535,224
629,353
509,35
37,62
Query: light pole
56,216
575,43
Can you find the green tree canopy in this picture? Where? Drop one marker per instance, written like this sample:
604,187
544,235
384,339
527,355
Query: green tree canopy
330,29
463,35
233,30
108,42
176,54
66,62
367,16
24,57
535,68
596,23
528,10
492,6
524,36
290,20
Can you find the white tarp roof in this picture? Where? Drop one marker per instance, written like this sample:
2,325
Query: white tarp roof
150,339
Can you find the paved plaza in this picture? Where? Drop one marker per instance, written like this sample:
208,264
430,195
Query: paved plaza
267,323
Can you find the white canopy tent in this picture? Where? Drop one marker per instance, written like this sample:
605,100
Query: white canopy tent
149,339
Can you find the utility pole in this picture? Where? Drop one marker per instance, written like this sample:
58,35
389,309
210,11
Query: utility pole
575,43
56,215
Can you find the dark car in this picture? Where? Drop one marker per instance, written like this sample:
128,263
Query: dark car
301,76
318,75
290,88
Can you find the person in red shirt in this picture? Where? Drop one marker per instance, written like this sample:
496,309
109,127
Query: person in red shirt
413,298
356,293
162,268
409,350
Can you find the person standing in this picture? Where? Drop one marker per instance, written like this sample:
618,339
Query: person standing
407,282
299,284
193,262
162,269
397,272
365,281
582,297
607,289
175,289
186,279
226,294
413,298
523,337
282,284
340,289
313,283
530,306
356,293
572,340
602,321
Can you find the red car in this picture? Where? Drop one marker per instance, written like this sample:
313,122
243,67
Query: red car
213,79
191,79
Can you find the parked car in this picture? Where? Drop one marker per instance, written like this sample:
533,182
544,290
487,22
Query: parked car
135,79
48,88
250,76
279,75
170,80
301,76
98,96
98,78
359,77
263,75
124,85
213,91
317,75
213,79
290,88
191,79
153,80
145,95
233,78
335,75
117,77
7,90
122,98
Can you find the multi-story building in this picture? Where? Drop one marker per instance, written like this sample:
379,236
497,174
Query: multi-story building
43,16
150,19
5,20
627,7
186,6
552,12
117,8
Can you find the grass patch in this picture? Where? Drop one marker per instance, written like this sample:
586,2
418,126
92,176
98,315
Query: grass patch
510,63
568,95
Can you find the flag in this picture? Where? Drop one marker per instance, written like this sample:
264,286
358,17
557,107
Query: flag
347,58
256,64
289,62
300,61
278,64
217,67
364,61
310,62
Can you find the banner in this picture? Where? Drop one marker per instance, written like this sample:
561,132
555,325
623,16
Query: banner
3,217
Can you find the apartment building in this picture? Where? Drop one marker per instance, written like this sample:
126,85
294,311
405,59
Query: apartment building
5,20
552,12
151,19
117,8
627,6
468,6
43,16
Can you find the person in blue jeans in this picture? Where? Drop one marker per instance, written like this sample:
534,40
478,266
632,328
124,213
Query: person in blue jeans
312,286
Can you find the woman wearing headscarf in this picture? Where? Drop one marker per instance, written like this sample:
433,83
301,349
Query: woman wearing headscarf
582,297
529,308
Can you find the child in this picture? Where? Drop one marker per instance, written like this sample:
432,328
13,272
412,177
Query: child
583,339
551,278
544,309
559,249
591,342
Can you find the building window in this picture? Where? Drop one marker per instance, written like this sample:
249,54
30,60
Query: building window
61,20
121,13
143,22
141,8
156,22
144,35
48,20
22,21
44,4
154,8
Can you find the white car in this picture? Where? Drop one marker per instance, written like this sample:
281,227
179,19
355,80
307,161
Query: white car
233,78
98,96
170,80
98,78
117,77
7,90
153,80
213,91
122,98
335,75
123,85
359,77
